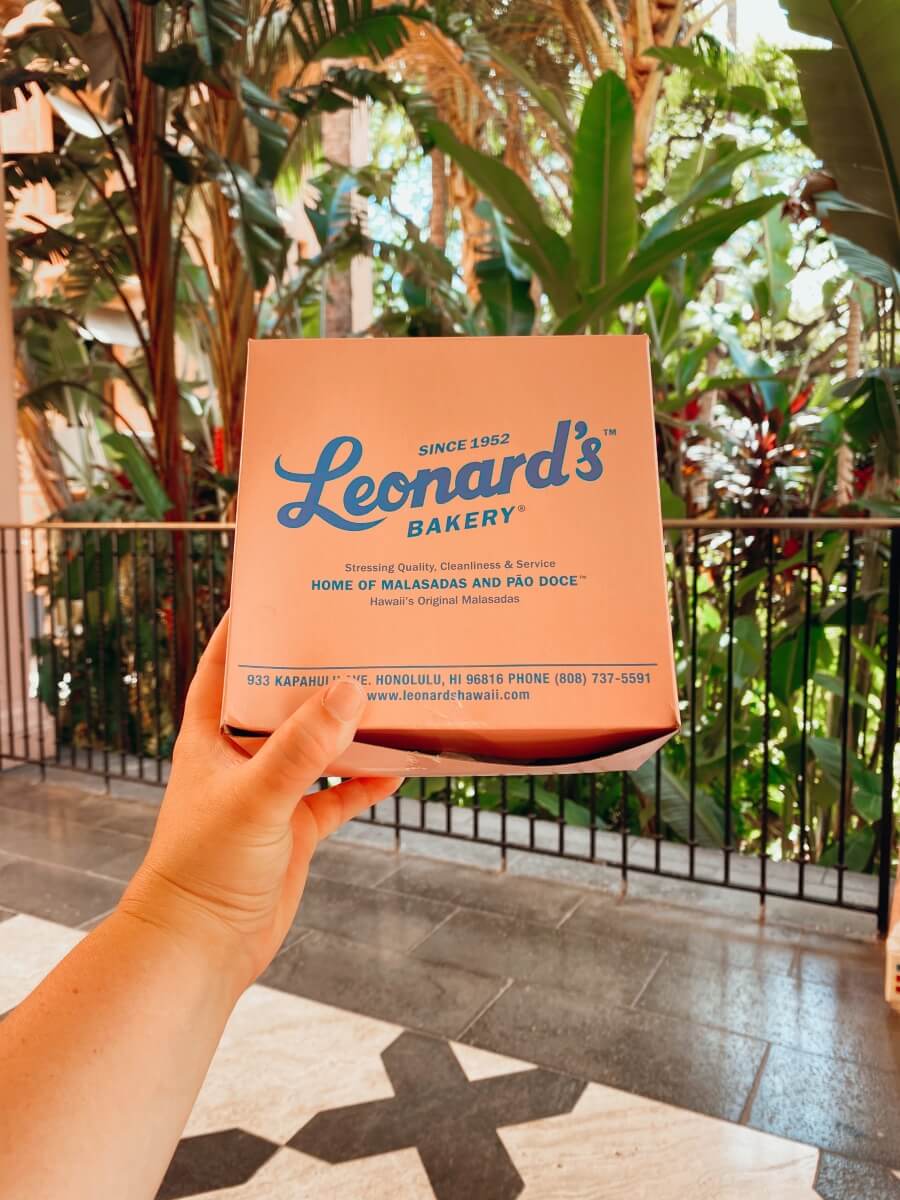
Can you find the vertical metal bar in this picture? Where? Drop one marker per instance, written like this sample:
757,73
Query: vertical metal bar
157,682
767,720
476,808
397,818
592,804
211,583
657,814
531,812
447,806
70,633
23,643
846,781
192,592
36,622
889,737
803,781
122,706
504,812
624,824
421,802
88,658
54,661
561,815
136,660
7,643
692,814
103,714
729,710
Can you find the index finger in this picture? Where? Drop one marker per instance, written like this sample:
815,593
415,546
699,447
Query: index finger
204,699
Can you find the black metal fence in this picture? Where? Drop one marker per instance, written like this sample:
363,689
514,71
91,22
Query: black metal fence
783,782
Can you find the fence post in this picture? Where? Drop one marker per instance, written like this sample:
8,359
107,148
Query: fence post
890,738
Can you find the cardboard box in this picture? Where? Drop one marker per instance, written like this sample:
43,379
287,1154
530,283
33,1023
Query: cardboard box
471,527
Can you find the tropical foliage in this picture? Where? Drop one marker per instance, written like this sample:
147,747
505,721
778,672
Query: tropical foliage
539,168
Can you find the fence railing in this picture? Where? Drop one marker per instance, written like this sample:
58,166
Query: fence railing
783,782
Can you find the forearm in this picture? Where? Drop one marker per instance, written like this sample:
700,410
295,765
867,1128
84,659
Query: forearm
102,1063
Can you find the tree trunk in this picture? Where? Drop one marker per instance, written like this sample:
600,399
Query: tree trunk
348,293
439,200
157,275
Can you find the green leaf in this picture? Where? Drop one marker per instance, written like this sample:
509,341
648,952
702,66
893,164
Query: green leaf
850,95
539,245
217,26
858,847
675,805
748,648
866,790
351,28
79,14
702,70
258,230
865,264
176,67
787,674
604,212
712,180
271,136
545,97
123,448
706,234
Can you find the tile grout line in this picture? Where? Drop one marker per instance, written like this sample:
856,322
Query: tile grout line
482,1011
574,909
443,921
754,1087
662,958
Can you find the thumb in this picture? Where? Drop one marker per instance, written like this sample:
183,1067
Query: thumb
299,751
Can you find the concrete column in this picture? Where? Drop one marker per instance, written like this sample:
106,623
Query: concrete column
24,726
348,293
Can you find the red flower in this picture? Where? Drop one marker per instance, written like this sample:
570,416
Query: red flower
862,477
792,546
219,449
168,613
801,400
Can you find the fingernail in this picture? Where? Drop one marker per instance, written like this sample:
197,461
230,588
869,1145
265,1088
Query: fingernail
344,699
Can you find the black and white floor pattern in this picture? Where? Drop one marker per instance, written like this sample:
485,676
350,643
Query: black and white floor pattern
306,1101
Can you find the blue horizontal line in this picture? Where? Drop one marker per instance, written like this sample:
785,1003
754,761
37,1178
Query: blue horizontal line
428,666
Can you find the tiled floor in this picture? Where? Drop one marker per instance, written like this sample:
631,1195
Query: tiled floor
433,1029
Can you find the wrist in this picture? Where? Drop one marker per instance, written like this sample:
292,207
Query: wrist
202,939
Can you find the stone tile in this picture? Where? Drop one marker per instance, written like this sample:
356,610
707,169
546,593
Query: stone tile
124,865
381,983
821,918
839,1106
500,946
87,808
617,1146
61,838
706,1070
345,862
530,899
56,893
692,894
843,964
790,1011
840,1178
375,918
731,940
127,817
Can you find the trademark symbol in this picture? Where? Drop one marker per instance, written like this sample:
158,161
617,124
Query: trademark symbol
609,432
521,508
582,576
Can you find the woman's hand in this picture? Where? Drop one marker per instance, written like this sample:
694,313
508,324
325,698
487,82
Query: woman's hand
230,855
